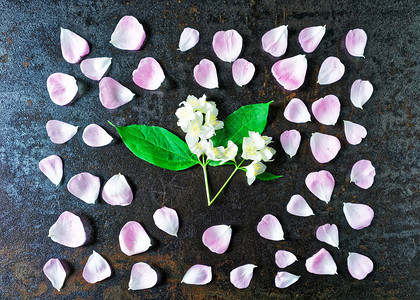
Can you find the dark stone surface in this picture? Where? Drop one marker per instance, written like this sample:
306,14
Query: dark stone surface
30,204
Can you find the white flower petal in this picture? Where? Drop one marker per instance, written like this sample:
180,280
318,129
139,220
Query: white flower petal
68,230
297,112
324,147
356,40
241,276
331,71
327,110
227,45
52,167
290,72
129,34
113,94
142,277
73,46
85,186
217,238
354,132
149,74
359,265
60,132
96,268
290,141
95,136
166,219
62,88
270,228
274,41
328,233
55,273
205,74
310,37
188,39
242,71
95,68
117,191
321,263
363,174
198,275
357,215
134,239
284,258
360,92
321,184
299,207
285,279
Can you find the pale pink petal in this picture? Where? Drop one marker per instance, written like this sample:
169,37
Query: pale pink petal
117,191
356,40
166,219
242,71
274,41
326,110
217,238
360,92
55,273
227,45
189,38
62,88
331,71
241,276
52,167
95,136
85,186
60,132
96,268
149,74
284,258
129,34
142,277
354,132
321,184
363,174
290,72
324,147
270,228
328,233
95,68
299,207
206,75
290,141
68,230
359,265
357,215
321,263
310,37
285,279
113,94
198,275
297,112
73,46
134,239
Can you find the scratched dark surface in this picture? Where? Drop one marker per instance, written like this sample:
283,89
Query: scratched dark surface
30,203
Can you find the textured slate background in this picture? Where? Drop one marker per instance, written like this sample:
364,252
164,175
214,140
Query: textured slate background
30,204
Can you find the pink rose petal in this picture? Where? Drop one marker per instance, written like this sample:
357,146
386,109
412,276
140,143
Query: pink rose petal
242,71
60,132
321,263
310,37
134,239
326,110
357,215
149,74
270,228
188,39
52,167
356,40
299,207
113,94
206,75
328,233
95,136
227,45
354,132
241,276
284,258
321,184
55,273
331,71
285,279
62,88
117,191
360,92
128,34
73,46
290,72
68,230
297,112
363,174
290,141
217,238
274,41
95,68
198,275
85,186
324,147
166,219
96,268
142,277
359,265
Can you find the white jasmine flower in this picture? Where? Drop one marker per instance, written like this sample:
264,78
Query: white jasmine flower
254,169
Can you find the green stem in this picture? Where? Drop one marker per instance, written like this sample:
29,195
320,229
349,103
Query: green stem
206,181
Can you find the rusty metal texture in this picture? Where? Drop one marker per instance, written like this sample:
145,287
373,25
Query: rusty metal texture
30,204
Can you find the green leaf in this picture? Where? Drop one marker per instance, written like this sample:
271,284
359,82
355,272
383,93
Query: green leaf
236,126
215,163
266,176
157,146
